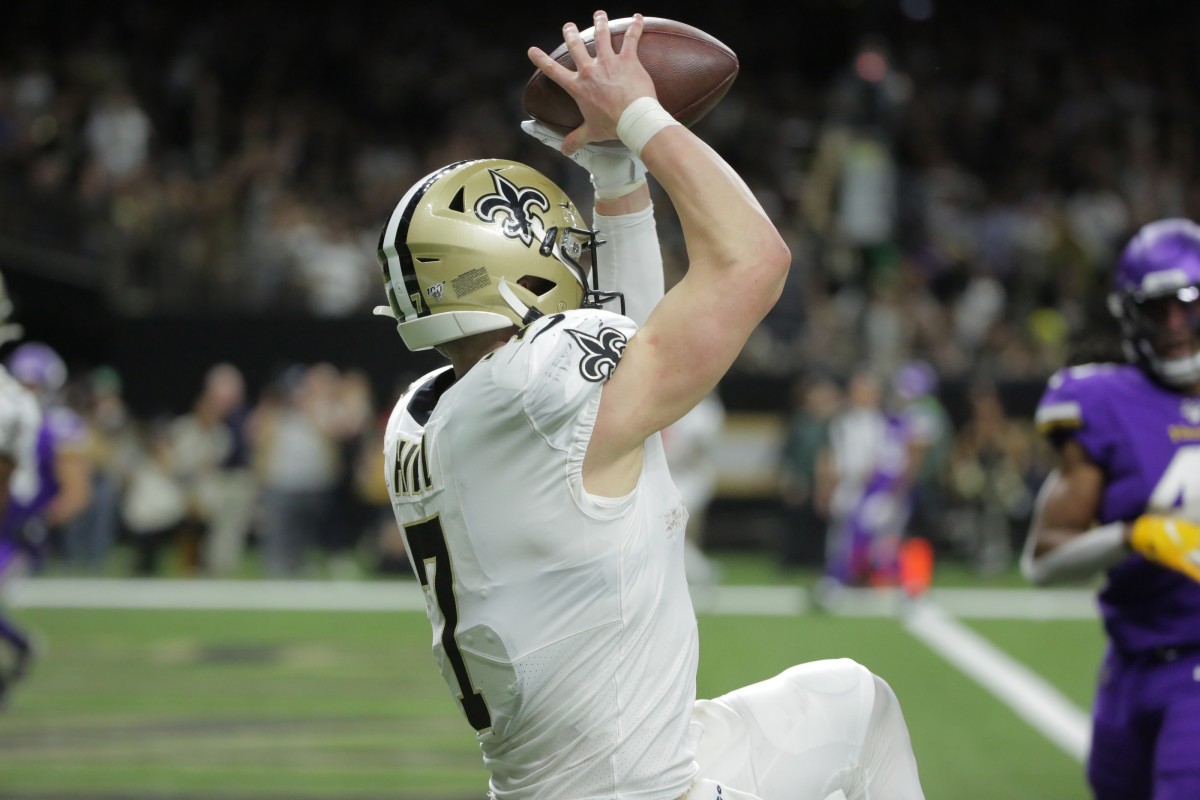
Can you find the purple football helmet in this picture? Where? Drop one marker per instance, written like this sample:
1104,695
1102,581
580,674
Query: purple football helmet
1159,267
37,365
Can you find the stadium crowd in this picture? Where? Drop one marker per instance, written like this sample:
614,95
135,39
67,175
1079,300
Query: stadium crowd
955,189
289,482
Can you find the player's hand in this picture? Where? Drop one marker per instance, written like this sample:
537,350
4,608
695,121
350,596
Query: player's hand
1171,541
602,85
614,169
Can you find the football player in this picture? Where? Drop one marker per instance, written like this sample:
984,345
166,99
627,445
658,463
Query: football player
63,484
20,426
529,479
1125,500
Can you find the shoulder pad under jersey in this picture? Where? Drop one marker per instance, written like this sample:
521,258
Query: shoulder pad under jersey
560,361
1072,392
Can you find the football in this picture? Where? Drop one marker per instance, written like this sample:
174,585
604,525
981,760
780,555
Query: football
691,70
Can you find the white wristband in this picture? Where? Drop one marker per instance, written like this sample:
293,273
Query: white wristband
640,121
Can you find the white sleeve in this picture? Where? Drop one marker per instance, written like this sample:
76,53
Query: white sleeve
1078,558
631,260
20,417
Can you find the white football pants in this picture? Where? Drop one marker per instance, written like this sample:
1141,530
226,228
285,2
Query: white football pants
825,730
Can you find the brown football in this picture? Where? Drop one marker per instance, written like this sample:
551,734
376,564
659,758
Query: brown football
691,70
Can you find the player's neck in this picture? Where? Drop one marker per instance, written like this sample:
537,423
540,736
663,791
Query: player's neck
466,352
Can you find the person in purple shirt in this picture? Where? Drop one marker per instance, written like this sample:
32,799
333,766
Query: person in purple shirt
1124,500
20,426
877,454
49,485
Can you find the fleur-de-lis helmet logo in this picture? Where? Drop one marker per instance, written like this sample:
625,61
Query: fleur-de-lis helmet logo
601,352
516,209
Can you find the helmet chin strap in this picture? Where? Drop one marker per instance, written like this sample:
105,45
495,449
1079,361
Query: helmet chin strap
523,311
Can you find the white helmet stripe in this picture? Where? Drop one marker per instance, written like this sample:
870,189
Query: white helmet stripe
395,270
396,235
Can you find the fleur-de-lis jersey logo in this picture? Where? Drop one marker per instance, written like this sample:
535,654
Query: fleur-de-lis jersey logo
514,207
601,353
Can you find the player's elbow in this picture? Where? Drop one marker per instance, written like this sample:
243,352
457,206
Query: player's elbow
779,258
771,267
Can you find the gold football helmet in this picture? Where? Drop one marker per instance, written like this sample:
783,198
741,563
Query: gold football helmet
479,246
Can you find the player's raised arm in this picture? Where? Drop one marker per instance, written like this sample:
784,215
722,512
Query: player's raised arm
737,259
1063,543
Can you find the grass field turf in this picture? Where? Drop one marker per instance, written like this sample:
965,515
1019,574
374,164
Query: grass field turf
202,704
222,705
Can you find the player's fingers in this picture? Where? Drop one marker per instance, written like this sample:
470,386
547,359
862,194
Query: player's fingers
551,68
575,45
633,35
602,36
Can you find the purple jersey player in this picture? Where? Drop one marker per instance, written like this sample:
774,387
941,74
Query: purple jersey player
1125,499
48,482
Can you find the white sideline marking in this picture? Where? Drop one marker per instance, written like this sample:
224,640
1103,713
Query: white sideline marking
769,601
1034,604
406,595
198,595
1031,697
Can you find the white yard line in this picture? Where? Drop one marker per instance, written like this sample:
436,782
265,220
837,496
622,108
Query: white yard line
1014,684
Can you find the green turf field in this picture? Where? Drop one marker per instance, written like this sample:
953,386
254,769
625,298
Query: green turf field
286,704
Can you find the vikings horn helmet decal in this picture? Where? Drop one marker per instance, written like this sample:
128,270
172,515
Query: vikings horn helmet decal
479,246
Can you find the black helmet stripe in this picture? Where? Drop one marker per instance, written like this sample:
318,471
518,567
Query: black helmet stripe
396,232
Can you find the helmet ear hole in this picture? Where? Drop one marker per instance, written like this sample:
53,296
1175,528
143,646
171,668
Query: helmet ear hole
539,286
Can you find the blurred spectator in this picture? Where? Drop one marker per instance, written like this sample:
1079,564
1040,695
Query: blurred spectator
212,462
931,438
112,445
992,471
117,133
805,465
379,534
154,505
877,455
861,446
353,428
297,461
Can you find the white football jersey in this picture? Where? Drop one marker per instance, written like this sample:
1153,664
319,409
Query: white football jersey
20,421
561,621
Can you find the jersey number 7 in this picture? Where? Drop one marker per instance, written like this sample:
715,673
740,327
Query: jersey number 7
428,544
